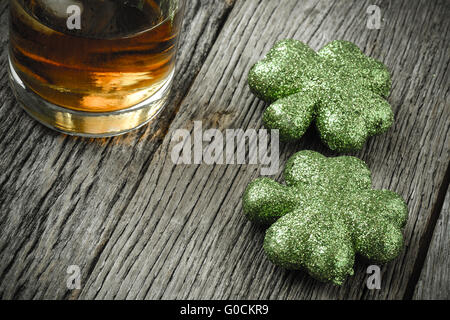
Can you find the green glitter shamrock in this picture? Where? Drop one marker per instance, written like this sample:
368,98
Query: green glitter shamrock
339,87
325,214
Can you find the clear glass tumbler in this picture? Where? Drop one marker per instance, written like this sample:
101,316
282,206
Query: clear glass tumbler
93,68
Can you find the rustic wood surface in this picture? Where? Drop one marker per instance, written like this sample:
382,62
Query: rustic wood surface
434,280
140,227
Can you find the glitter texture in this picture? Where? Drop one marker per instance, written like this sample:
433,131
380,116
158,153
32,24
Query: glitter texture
339,87
325,214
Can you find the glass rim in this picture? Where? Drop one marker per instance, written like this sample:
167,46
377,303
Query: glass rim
180,9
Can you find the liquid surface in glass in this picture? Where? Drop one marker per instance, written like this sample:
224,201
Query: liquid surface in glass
122,54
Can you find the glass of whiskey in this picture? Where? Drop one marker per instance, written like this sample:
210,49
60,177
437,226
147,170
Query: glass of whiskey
93,68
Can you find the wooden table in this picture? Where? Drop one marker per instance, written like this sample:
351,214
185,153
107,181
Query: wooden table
140,227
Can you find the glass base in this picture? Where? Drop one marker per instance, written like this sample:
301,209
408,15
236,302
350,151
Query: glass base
88,124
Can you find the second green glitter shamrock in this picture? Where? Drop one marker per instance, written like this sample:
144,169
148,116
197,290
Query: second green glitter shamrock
325,214
339,87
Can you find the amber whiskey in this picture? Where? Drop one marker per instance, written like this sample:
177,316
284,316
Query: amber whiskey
123,53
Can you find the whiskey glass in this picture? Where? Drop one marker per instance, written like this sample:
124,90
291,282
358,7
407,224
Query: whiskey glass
93,68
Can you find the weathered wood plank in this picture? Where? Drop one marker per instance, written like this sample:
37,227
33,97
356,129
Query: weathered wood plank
61,197
139,244
183,234
434,280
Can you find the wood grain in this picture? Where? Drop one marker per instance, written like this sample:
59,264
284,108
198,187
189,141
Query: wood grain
434,280
61,197
141,227
183,234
